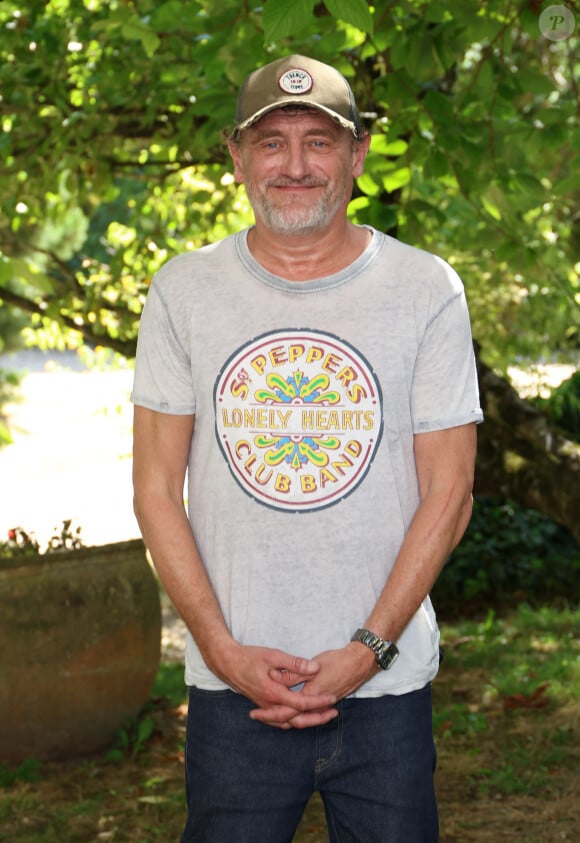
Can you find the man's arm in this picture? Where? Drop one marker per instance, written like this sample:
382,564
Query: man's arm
160,455
445,464
445,461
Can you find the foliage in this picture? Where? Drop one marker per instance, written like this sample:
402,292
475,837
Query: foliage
168,690
113,160
563,405
508,554
11,325
22,543
27,771
131,738
9,382
169,686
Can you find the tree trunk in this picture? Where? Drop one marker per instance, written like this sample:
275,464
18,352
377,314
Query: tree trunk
522,456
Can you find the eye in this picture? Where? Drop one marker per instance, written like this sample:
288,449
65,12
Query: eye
270,145
320,145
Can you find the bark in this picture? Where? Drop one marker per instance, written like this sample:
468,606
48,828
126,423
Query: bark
522,456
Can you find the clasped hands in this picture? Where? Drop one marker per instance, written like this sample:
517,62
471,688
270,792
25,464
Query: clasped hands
267,676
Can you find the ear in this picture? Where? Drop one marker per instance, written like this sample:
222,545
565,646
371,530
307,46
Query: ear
360,150
235,152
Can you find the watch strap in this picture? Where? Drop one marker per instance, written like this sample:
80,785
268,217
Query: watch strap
386,652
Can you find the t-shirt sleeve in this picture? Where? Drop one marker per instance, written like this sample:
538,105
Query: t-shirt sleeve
445,391
163,379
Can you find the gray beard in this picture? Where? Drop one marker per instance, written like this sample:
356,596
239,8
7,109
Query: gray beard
294,217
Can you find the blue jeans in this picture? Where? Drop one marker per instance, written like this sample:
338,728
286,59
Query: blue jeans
249,783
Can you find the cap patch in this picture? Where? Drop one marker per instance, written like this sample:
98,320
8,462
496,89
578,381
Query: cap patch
296,81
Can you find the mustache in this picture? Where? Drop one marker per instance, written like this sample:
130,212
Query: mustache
306,181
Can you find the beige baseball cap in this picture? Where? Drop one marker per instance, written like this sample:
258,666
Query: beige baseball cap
297,80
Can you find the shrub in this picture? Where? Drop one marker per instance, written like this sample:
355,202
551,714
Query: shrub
508,554
563,405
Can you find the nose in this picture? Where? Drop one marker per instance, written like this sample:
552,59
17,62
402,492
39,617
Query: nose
295,163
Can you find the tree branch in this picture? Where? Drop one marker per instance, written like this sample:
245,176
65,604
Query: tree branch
126,347
521,455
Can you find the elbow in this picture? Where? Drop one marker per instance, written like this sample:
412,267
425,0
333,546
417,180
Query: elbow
463,518
136,507
142,497
467,511
138,512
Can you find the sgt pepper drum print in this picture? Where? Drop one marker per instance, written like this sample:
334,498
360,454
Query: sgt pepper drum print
298,418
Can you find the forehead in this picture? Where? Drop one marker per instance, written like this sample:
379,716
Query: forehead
295,118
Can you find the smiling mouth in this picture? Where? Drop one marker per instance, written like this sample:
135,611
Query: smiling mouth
295,185
296,188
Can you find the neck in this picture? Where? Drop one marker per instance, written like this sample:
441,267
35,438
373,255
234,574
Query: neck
305,257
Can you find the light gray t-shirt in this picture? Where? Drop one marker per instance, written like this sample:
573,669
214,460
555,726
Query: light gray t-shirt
307,396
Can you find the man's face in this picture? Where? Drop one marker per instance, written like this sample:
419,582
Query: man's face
298,167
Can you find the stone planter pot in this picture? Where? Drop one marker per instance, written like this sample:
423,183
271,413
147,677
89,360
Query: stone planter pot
80,641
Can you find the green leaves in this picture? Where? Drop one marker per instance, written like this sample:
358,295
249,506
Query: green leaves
355,12
382,146
509,550
113,158
283,18
132,28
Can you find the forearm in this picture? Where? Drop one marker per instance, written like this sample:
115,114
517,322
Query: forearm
161,446
436,529
169,538
167,533
444,462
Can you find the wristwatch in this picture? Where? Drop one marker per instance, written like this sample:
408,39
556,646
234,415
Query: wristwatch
385,651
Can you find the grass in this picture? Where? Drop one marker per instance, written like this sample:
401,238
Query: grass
506,707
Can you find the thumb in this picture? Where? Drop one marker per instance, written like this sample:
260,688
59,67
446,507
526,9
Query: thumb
301,667
293,670
287,677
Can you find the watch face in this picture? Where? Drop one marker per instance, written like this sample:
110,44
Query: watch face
387,656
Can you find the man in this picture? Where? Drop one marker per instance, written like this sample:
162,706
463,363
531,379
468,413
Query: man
329,370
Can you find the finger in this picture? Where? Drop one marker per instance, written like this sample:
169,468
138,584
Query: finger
287,677
276,715
279,694
284,718
296,664
283,726
313,718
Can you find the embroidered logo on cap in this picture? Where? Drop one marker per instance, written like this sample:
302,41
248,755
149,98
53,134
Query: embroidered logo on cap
296,81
